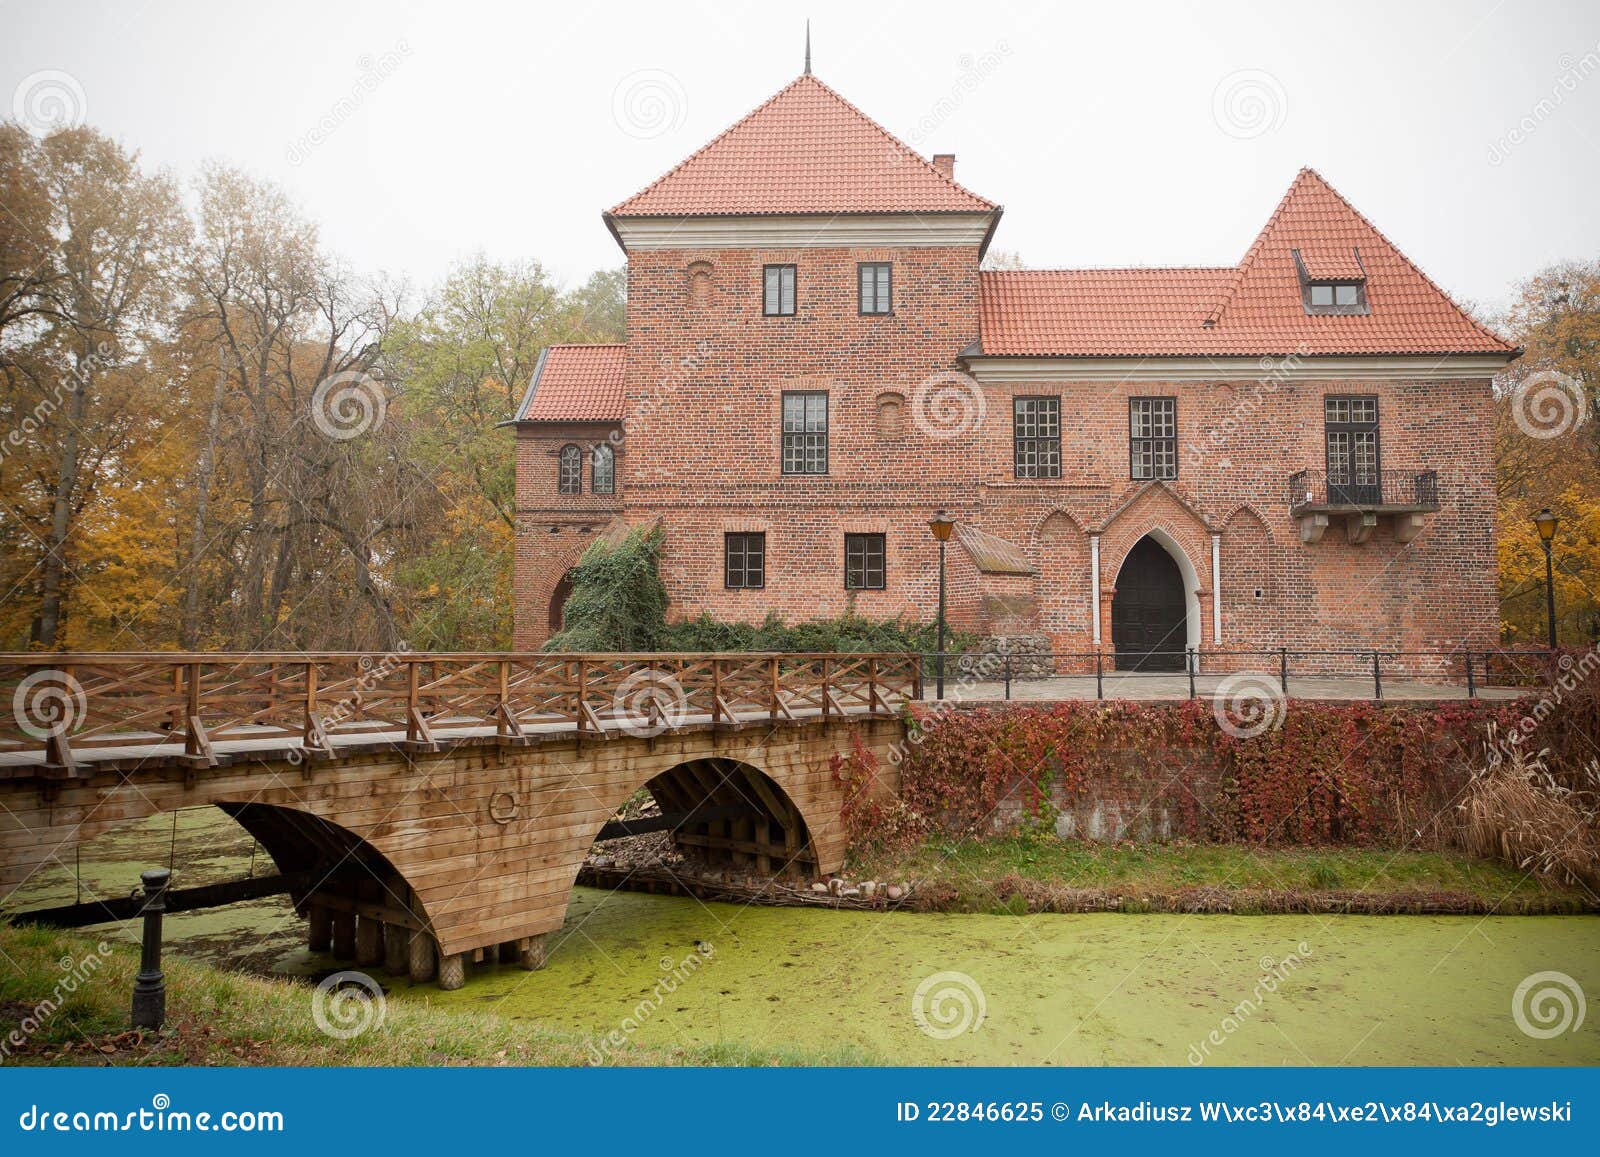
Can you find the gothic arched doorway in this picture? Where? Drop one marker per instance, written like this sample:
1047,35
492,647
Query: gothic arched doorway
1149,610
558,602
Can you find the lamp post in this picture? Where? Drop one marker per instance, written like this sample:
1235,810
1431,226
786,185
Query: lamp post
1547,523
941,527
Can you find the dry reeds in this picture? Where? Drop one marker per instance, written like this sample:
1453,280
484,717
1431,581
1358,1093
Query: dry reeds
1517,811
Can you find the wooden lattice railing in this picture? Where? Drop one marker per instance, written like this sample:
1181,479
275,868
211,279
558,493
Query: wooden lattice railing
68,706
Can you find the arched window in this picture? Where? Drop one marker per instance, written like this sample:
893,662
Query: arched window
570,477
604,470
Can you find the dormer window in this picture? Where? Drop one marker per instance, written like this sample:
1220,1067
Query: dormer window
1341,295
1332,283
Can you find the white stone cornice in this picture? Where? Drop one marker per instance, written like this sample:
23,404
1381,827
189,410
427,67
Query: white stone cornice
904,230
1412,368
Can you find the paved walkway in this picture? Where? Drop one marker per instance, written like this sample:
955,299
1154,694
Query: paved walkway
1176,686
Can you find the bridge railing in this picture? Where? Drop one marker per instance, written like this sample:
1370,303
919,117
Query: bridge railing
64,705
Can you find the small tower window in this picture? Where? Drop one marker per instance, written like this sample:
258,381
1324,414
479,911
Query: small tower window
569,478
603,470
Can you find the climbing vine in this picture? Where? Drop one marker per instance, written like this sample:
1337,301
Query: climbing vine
1356,773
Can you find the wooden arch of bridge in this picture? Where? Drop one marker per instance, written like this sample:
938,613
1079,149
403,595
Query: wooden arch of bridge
429,810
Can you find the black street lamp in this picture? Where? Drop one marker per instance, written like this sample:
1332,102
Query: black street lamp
1547,523
941,527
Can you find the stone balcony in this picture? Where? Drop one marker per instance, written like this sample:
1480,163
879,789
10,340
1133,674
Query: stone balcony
1406,497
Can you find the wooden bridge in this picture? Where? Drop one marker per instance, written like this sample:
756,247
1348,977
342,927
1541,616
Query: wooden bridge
428,810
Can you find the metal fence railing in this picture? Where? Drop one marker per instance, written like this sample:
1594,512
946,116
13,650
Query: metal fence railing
1470,669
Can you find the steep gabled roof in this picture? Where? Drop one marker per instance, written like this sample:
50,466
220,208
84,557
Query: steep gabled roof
576,383
806,150
1252,309
1261,309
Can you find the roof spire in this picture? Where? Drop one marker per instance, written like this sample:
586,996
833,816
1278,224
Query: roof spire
808,47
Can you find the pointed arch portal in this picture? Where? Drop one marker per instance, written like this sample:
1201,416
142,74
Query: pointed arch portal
1152,621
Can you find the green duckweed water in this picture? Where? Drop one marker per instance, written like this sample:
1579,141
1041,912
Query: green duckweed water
1061,990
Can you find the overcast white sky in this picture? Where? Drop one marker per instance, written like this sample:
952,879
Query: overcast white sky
1113,134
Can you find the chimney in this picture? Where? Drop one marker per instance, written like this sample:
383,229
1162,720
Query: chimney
946,164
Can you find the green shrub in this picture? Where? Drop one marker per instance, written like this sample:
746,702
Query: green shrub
619,603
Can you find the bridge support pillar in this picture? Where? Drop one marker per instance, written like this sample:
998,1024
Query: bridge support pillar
369,941
452,970
344,935
394,949
320,918
531,952
420,958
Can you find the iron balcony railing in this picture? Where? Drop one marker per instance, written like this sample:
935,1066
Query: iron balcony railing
1399,489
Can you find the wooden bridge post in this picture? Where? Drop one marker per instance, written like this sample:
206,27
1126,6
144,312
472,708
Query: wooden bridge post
395,945
452,970
825,696
344,935
369,940
420,962
320,919
772,682
716,691
311,729
412,734
175,716
532,952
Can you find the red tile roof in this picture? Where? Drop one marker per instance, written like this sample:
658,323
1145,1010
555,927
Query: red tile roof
806,150
1253,309
1095,311
577,383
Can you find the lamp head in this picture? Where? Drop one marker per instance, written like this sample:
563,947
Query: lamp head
1547,523
941,526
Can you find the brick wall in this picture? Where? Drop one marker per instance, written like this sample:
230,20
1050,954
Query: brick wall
701,452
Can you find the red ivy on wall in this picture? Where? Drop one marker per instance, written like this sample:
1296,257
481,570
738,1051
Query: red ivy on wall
1331,773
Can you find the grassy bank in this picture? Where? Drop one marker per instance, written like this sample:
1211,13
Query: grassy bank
990,874
223,1018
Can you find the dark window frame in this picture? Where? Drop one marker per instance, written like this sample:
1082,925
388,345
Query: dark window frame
803,451
1352,490
569,469
744,539
888,289
1356,307
794,290
1156,442
870,547
1027,448
602,450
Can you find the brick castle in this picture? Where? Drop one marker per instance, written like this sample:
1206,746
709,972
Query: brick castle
1293,451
